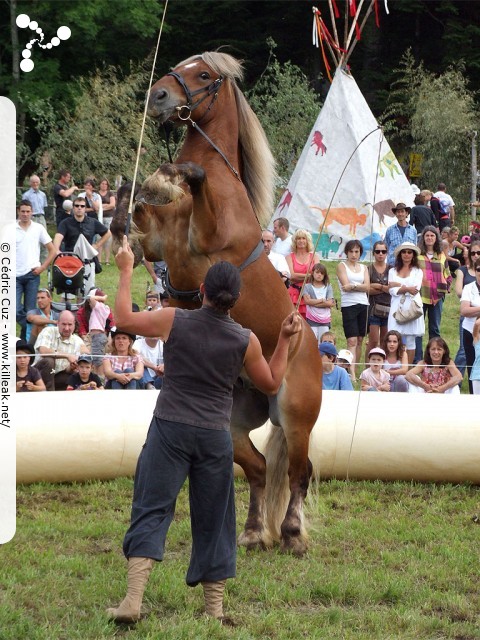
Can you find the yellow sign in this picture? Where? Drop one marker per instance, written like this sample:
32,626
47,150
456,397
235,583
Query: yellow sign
415,169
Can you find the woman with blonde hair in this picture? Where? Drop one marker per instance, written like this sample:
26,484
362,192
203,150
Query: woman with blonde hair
124,367
300,262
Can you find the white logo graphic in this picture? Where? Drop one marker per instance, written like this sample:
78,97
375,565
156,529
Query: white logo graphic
24,22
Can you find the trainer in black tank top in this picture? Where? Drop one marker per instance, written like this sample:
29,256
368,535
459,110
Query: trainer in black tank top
203,357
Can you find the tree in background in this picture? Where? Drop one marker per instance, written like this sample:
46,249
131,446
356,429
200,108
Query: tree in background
287,108
103,32
101,136
435,115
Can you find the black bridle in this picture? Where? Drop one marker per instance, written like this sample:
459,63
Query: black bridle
184,112
212,88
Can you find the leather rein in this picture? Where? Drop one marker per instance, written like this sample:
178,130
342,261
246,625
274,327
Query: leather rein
194,295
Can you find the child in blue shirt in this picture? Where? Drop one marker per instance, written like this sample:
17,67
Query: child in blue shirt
334,377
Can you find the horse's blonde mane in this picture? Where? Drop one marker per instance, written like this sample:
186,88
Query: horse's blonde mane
258,171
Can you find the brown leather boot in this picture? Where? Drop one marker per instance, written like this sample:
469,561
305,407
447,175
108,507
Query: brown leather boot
138,573
213,594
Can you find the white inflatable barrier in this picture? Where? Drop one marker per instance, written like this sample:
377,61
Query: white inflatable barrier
76,436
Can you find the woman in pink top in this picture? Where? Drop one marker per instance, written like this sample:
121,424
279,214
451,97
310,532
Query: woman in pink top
437,373
300,262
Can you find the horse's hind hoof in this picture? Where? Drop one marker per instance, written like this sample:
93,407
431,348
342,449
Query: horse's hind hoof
295,546
255,540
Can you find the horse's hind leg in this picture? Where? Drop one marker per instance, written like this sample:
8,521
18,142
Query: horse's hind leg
293,531
255,534
288,477
250,410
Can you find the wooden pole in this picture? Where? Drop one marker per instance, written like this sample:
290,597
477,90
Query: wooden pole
473,192
334,24
352,28
365,18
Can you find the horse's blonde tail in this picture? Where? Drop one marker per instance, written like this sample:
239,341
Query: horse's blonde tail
277,484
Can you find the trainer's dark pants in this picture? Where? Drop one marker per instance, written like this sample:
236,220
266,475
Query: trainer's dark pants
172,452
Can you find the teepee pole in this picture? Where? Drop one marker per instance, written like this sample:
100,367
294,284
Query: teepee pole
345,29
333,54
334,24
365,18
352,29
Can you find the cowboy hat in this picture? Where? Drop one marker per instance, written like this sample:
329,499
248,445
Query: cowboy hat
401,205
116,331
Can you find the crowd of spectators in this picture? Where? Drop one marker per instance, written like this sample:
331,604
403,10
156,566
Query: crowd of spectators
390,302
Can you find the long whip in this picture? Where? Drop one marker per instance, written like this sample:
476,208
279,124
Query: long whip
139,148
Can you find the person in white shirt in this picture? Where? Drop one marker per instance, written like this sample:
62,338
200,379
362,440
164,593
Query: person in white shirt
277,259
93,200
283,242
151,351
29,236
446,202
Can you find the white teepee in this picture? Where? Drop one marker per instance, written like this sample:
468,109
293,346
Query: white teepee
372,181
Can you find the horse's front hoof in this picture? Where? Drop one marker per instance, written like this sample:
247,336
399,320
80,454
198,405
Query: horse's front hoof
295,545
255,540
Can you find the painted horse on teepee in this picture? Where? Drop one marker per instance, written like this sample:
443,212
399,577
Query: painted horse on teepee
211,205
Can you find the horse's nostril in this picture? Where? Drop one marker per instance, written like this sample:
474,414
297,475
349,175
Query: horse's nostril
159,95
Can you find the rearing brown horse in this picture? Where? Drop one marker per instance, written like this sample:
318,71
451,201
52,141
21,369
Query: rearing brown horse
208,206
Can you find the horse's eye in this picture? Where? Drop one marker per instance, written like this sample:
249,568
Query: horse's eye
205,75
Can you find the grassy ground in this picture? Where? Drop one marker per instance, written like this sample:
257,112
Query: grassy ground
386,561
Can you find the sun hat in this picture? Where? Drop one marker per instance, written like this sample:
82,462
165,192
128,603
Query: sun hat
328,348
407,245
401,205
378,351
345,354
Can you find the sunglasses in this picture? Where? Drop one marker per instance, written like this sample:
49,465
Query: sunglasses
79,206
380,251
477,269
407,251
475,253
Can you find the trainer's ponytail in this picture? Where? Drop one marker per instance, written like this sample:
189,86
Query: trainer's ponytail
222,285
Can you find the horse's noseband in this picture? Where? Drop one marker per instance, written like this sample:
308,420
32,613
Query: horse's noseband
212,88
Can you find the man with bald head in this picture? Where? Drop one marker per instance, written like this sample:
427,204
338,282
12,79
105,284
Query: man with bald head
59,348
276,259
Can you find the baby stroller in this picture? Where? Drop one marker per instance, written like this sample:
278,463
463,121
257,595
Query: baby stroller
67,276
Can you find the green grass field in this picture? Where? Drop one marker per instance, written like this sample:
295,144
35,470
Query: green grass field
386,561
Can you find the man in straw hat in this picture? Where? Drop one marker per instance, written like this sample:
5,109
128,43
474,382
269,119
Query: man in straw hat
400,232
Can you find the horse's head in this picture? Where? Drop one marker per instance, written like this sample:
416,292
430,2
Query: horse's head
191,89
